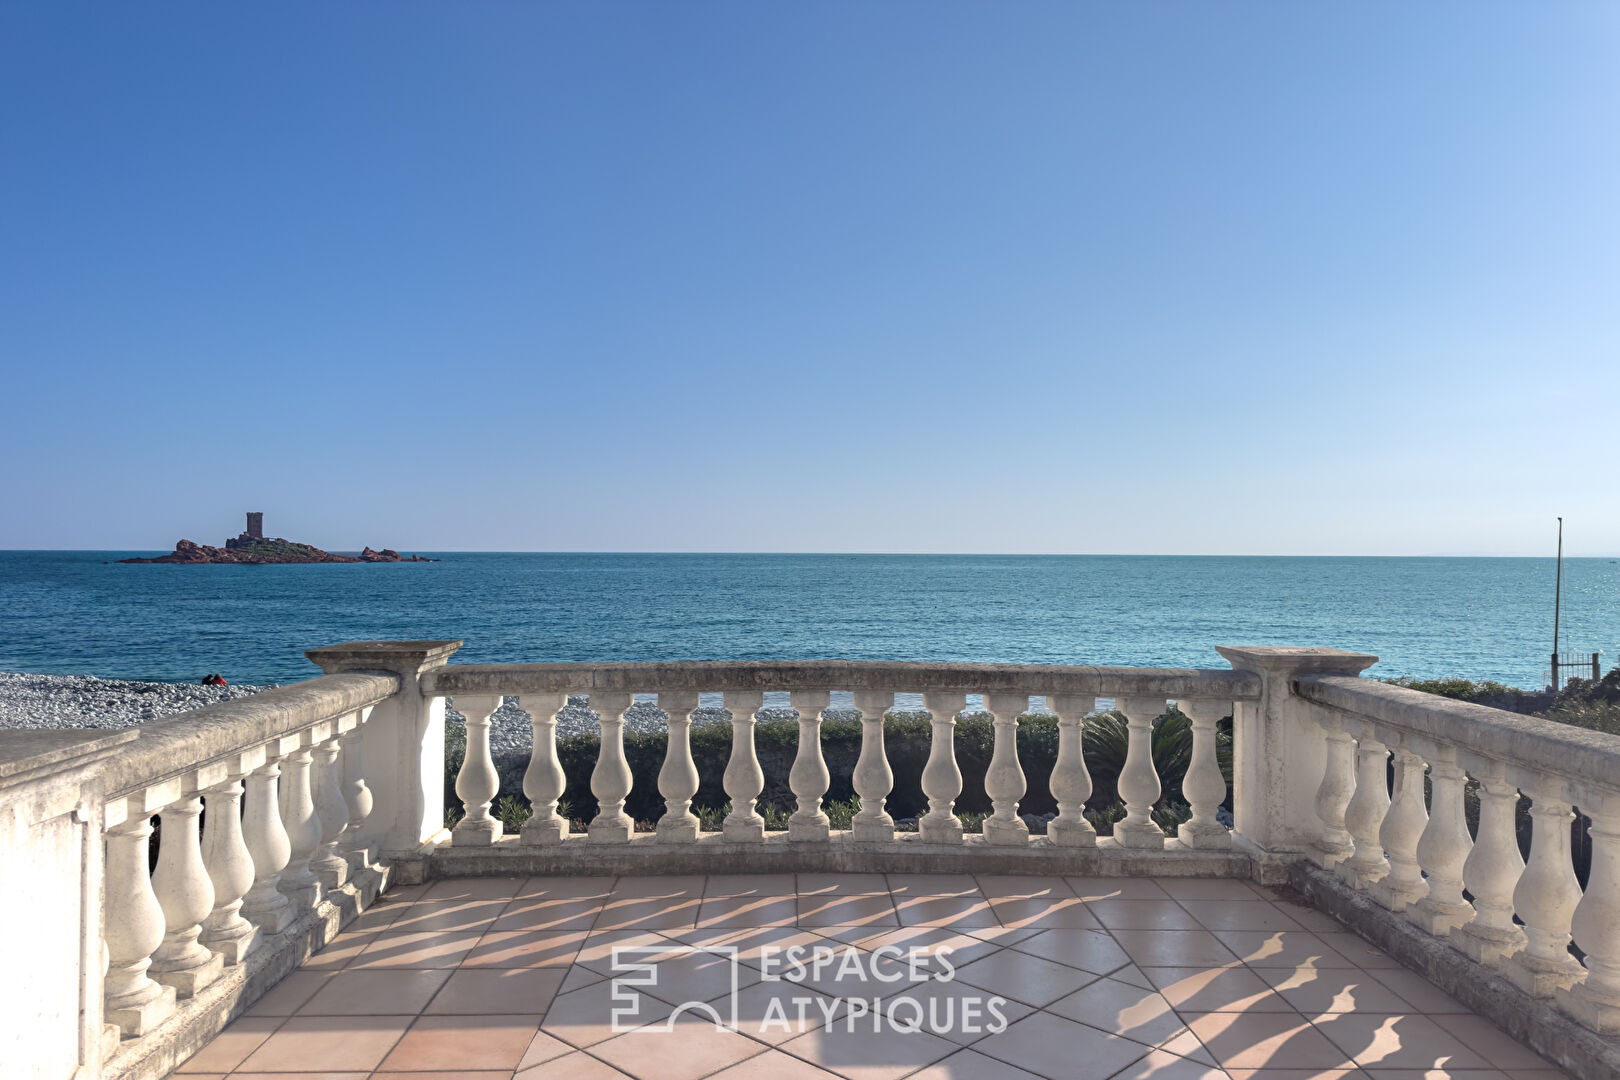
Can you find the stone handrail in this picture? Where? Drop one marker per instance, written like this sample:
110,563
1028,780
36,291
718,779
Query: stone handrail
1413,853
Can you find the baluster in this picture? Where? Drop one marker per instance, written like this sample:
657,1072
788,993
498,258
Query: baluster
678,777
134,929
265,904
1071,782
1334,793
1492,870
357,797
303,829
1545,897
544,781
1139,779
186,895
1365,814
1004,779
1596,1000
1403,826
941,779
743,779
1444,848
230,870
611,779
1204,786
332,812
873,778
809,778
477,782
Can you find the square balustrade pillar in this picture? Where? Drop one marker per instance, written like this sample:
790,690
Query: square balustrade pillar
1279,751
402,745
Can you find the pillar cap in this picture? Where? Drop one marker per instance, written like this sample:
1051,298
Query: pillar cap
413,656
1296,659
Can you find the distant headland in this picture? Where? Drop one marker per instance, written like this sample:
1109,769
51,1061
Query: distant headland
252,548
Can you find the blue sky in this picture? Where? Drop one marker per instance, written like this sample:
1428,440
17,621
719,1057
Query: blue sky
1148,277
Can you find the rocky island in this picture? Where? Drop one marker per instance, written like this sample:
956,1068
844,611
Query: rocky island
251,547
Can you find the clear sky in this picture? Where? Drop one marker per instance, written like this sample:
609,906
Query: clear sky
931,276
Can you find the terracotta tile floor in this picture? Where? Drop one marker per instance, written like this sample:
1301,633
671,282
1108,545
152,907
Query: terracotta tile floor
1093,978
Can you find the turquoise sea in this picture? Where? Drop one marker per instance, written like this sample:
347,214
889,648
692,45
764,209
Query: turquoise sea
78,612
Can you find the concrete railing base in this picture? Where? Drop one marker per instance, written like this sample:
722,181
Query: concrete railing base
202,1017
1532,1021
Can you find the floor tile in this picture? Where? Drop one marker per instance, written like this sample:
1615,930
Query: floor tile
232,1045
1281,948
864,1054
1212,989
1160,1065
659,887
583,1018
1116,888
774,1010
1174,948
971,1065
1142,915
496,990
414,951
1399,1042
1023,887
309,1043
571,1066
690,1048
1045,913
1358,951
932,885
571,888
525,949
578,978
1497,1046
1054,1046
1022,977
1309,918
436,916
1208,889
375,993
842,885
1240,915
543,1048
1119,1008
692,976
341,951
310,1076
1296,1074
1088,950
754,945
434,1074
775,1065
474,888
932,944
1258,1040
1435,1074
466,1042
1420,994
546,913
741,912
769,885
648,913
944,911
846,910
1333,990
284,998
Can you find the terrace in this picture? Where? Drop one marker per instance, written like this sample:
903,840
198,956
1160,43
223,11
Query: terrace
1369,911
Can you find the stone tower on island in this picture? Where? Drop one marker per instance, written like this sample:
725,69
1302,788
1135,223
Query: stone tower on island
255,529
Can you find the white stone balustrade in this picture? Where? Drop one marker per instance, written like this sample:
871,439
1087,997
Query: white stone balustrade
543,780
265,905
744,779
1402,828
477,782
873,779
809,778
1139,780
186,894
1004,779
328,863
1071,781
1204,786
303,827
941,778
678,777
230,871
135,1002
611,779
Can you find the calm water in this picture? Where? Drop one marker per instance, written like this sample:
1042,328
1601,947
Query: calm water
77,613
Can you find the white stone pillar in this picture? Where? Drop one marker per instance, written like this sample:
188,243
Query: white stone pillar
477,783
1546,896
303,829
1492,871
544,781
873,778
1595,1001
678,776
1204,786
186,894
1071,781
809,778
1278,752
134,930
1004,780
265,904
230,870
402,744
611,779
1402,828
1444,848
941,778
1364,817
1139,779
357,798
328,863
743,779
1333,795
